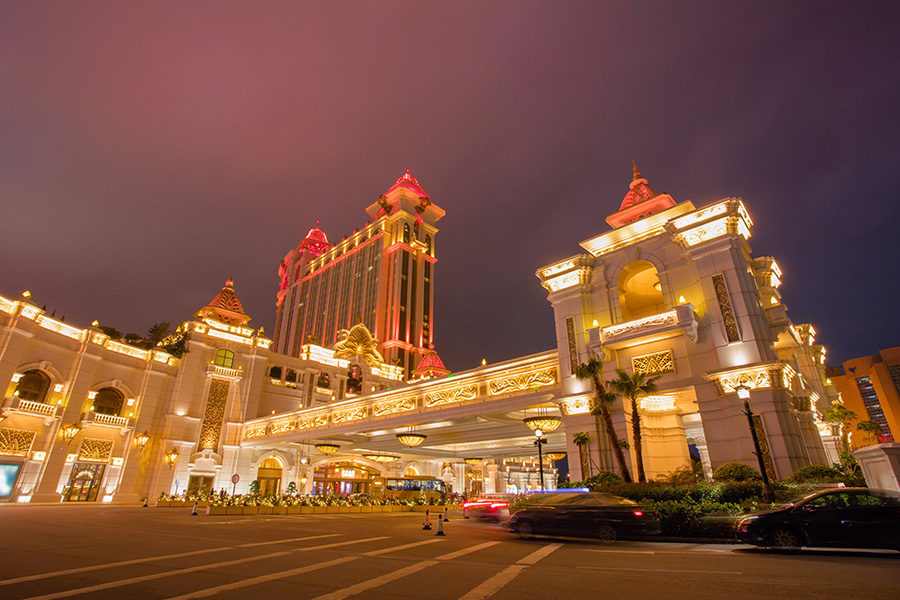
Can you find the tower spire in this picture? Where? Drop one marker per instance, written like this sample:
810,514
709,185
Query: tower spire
634,169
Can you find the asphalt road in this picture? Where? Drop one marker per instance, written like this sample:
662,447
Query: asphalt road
131,552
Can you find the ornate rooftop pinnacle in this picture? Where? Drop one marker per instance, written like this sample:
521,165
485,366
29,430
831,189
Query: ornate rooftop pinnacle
315,242
225,307
640,201
430,367
408,181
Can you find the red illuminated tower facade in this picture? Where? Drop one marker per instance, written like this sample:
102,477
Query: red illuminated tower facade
381,276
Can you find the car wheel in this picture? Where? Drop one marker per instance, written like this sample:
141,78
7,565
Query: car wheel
606,534
525,530
785,539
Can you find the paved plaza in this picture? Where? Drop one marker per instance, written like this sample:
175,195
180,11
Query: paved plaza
129,552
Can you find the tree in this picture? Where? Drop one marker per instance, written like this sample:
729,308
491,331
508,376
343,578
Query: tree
633,386
158,332
870,429
841,416
583,441
591,371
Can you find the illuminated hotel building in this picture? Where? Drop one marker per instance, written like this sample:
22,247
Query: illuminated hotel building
382,276
870,387
671,289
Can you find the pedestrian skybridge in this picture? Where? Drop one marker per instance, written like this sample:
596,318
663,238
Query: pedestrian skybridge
497,394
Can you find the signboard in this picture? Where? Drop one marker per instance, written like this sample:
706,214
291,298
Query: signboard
235,478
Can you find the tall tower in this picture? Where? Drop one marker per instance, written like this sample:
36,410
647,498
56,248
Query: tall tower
381,276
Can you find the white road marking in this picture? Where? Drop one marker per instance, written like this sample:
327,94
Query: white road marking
136,561
226,563
399,573
619,551
291,572
650,570
286,540
491,586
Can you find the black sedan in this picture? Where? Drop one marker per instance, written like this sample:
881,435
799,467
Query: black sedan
842,518
589,514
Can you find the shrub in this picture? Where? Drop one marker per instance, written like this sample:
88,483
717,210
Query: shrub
735,471
602,478
817,474
686,518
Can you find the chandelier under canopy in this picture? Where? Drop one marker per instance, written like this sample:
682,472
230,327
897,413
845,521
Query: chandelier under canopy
473,461
382,458
546,423
411,439
327,448
556,455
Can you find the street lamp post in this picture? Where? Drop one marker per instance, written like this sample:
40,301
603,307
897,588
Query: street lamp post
743,393
539,442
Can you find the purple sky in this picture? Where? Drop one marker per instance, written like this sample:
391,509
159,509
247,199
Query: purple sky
148,152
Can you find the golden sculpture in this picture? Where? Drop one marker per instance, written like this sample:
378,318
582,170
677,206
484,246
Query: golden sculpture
358,341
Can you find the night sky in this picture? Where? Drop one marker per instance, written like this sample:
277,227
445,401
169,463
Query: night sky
149,152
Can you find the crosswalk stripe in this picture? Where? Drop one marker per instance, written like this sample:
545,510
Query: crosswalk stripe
291,572
491,586
137,561
399,573
226,563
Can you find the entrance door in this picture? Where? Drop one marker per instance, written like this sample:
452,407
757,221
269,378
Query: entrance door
84,483
269,476
199,483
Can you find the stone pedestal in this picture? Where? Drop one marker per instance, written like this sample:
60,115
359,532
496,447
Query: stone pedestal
880,465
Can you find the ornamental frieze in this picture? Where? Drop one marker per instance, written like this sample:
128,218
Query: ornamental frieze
578,406
525,381
312,422
283,427
349,414
458,394
389,407
255,432
95,450
16,442
656,363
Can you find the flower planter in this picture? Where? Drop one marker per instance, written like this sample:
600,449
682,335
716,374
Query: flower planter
319,510
250,510
163,503
265,510
178,503
421,508
365,509
402,508
356,509
279,510
217,510
307,510
202,503
343,510
234,510
293,510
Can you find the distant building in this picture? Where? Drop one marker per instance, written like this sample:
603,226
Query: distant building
870,387
381,275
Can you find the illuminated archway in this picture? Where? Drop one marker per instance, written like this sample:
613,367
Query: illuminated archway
640,291
269,476
411,471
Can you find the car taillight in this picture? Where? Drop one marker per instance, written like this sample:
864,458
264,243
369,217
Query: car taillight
499,504
639,513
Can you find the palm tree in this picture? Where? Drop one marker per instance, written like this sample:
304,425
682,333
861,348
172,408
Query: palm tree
583,441
591,370
632,386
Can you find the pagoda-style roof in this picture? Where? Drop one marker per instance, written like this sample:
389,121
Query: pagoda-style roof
315,242
430,367
409,182
640,201
225,307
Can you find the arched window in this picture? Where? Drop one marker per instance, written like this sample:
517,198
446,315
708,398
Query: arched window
108,402
33,386
225,358
406,233
640,291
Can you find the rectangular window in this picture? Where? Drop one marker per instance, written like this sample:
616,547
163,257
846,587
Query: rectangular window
873,407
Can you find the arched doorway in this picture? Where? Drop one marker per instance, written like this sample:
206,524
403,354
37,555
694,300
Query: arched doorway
343,479
269,477
411,471
33,386
640,291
